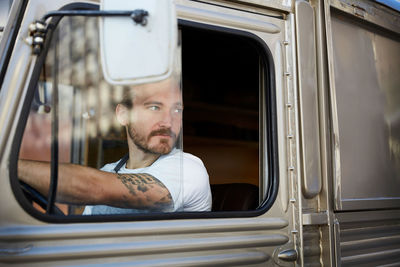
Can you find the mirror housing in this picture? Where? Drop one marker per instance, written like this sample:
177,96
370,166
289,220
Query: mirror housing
133,52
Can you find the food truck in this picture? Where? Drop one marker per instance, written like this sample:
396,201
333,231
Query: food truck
291,105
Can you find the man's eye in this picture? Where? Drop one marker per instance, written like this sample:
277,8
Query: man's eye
178,110
154,108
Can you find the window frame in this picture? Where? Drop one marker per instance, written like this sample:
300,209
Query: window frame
10,33
268,137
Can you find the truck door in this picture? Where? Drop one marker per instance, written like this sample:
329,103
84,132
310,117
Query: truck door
238,86
364,60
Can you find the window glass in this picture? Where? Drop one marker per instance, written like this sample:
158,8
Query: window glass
119,149
96,125
5,6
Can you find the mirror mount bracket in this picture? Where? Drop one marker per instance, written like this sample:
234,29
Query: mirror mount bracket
38,29
139,16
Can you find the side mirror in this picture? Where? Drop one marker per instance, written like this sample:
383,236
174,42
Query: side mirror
135,52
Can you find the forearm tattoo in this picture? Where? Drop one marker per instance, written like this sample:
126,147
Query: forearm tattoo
142,182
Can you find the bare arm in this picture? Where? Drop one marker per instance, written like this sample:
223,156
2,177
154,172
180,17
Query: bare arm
84,185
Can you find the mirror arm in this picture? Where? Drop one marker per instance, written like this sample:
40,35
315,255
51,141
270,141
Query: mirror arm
38,29
139,16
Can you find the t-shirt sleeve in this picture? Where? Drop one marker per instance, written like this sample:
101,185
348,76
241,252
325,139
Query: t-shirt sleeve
186,178
197,193
88,210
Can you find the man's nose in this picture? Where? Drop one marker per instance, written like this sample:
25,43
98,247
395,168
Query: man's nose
166,119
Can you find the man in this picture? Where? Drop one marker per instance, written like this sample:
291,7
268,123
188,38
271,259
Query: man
154,176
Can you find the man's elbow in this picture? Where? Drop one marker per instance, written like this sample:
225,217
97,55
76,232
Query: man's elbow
166,203
157,200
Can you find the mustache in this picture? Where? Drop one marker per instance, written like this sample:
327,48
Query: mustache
163,131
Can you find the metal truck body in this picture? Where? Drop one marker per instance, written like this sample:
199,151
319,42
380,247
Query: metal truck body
325,157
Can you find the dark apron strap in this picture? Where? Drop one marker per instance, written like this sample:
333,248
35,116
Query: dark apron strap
121,163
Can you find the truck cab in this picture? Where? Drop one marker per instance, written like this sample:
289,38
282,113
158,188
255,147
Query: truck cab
291,106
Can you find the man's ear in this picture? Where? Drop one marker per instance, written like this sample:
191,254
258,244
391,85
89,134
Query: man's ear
122,114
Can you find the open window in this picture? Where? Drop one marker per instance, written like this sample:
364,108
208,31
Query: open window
228,91
223,76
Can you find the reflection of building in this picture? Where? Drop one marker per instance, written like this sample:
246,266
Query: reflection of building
71,81
86,103
5,6
36,143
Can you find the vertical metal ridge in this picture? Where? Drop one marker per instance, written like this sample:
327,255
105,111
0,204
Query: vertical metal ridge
308,100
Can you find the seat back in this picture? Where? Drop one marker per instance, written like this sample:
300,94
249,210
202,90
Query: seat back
234,197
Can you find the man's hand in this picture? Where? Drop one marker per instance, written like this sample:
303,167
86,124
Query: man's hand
88,186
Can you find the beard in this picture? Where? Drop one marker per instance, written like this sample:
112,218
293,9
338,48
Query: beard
142,142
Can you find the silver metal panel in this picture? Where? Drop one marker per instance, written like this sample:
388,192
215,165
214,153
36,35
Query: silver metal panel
238,257
308,95
293,130
284,5
312,248
369,238
366,83
140,241
371,12
200,242
199,14
152,245
320,218
52,232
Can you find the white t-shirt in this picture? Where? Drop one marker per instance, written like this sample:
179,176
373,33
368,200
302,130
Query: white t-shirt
183,174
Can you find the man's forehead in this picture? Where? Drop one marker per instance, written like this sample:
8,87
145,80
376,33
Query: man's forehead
166,89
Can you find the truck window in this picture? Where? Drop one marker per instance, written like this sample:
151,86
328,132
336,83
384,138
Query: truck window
77,120
4,10
221,80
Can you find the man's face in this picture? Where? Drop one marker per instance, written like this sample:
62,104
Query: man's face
156,117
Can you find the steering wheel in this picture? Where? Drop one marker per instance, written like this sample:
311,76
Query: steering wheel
34,196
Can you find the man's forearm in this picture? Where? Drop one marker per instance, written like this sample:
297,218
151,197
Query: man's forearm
83,185
74,181
36,174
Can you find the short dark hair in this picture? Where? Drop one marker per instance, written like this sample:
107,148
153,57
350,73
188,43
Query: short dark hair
127,98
